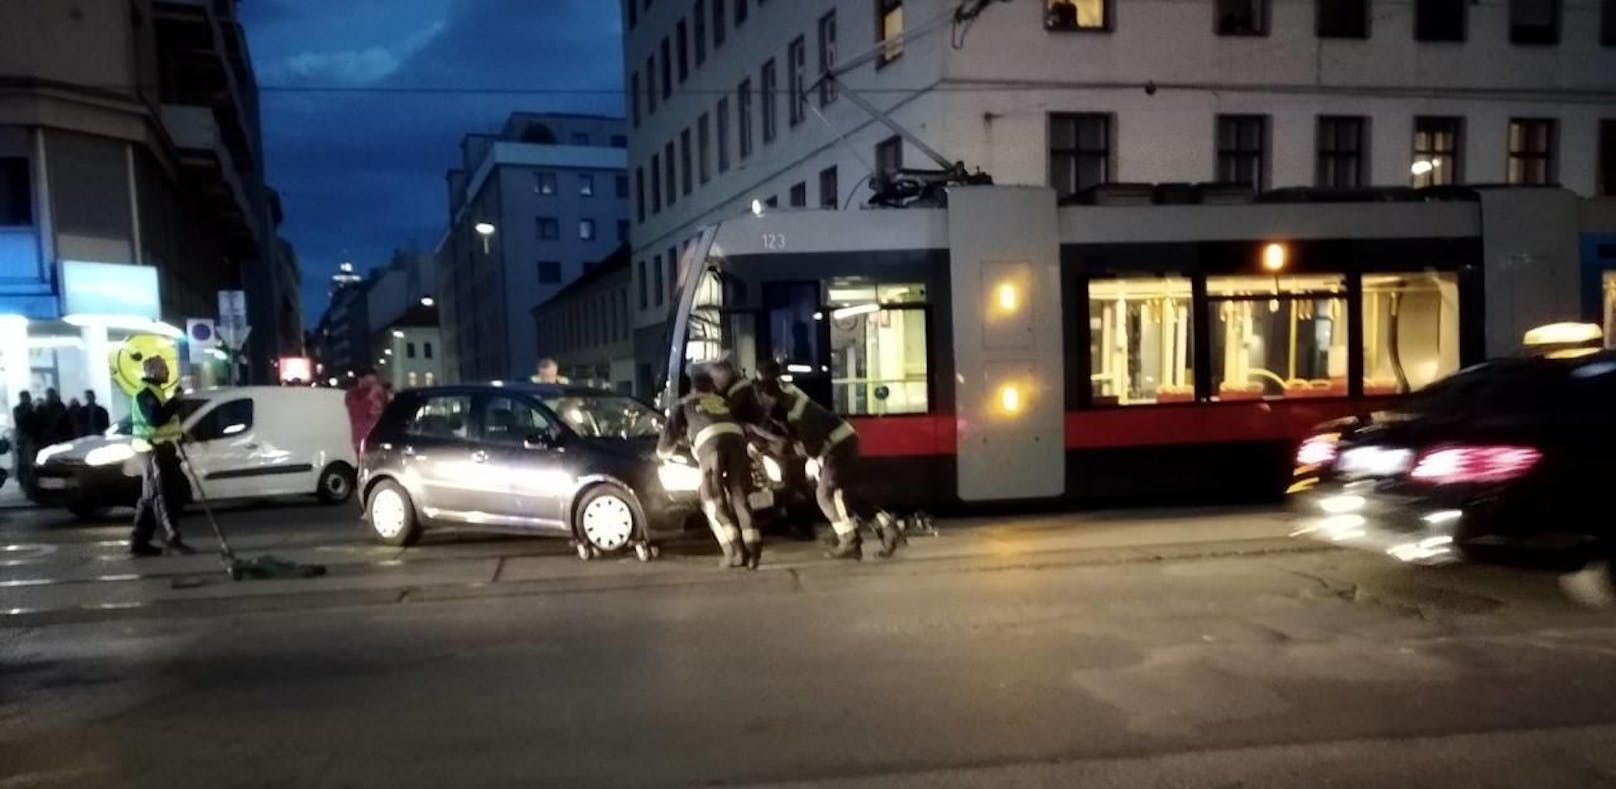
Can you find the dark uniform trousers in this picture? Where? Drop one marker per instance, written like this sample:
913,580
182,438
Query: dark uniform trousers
162,486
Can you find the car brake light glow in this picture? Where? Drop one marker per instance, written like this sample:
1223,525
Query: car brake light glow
1318,450
1451,464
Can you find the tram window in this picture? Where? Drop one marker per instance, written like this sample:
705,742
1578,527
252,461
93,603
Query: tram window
1411,330
1278,337
878,347
1141,341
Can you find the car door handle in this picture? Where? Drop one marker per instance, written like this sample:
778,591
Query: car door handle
250,446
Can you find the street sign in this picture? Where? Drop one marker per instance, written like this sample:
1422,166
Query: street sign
233,317
201,337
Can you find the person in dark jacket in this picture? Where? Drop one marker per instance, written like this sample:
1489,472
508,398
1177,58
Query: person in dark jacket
52,419
703,421
96,421
155,420
25,430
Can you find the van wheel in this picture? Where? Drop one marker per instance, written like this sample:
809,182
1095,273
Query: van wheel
392,514
336,484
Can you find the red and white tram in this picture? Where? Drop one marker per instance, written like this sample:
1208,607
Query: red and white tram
1006,348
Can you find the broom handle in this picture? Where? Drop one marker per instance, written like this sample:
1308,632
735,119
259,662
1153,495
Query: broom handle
202,498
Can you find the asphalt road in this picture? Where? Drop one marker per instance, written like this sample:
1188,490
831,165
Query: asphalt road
1119,649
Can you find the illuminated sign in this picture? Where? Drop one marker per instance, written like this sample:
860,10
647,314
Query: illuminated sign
110,289
296,368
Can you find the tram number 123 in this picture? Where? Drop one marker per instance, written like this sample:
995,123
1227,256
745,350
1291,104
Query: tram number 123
774,241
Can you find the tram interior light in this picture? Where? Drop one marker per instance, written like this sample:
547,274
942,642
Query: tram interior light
1274,257
855,310
1010,399
1008,296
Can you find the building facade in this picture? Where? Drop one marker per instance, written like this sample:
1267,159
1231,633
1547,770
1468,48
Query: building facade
131,186
530,209
724,109
587,326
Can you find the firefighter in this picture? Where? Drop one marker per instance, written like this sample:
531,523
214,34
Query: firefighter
155,422
703,420
832,442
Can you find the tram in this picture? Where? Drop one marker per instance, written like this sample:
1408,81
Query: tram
1007,348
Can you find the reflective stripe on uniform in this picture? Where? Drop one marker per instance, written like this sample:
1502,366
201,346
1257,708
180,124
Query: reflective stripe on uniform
739,385
751,536
797,408
841,506
842,432
713,431
844,528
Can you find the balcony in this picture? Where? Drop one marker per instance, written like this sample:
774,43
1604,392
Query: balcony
210,172
204,62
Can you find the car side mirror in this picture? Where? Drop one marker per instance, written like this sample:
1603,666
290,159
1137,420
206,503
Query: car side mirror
541,440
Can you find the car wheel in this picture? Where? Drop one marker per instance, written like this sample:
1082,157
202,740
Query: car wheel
606,518
336,484
392,514
86,510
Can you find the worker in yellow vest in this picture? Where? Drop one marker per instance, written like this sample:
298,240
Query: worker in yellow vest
155,422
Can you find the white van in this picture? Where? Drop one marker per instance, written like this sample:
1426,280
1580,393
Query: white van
243,443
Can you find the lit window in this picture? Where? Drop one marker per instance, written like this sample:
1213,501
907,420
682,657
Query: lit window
1141,341
1411,330
1436,151
1531,151
878,348
544,183
1610,309
889,29
412,379
430,378
1076,15
586,230
586,185
1278,337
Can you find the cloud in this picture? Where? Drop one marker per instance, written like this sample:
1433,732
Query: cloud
348,68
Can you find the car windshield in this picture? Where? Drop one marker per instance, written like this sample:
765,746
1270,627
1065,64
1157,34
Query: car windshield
606,416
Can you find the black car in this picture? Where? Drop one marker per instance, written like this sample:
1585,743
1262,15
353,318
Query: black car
554,460
1510,461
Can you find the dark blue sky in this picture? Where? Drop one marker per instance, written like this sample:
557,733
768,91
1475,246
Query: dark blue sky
361,172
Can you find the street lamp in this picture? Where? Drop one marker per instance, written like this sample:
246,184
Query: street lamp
486,230
428,301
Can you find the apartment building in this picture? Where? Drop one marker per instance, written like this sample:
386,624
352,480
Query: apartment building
724,109
131,187
530,209
589,325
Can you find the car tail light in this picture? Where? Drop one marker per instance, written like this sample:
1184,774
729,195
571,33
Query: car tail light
1454,464
1318,450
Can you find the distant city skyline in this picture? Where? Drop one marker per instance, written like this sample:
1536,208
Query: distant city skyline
363,113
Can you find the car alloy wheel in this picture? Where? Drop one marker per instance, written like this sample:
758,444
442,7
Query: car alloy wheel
389,513
608,522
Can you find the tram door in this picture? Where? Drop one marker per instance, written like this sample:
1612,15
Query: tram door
1004,255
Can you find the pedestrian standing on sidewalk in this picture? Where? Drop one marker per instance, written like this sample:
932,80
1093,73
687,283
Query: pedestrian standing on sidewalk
25,435
96,419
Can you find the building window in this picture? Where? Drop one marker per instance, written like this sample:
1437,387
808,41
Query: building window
1079,152
412,379
769,87
1439,20
430,378
889,156
549,272
1343,18
685,181
796,88
656,184
409,350
1342,158
1436,151
667,69
1141,341
549,228
620,141
671,173
1242,17
1606,182
719,22
699,18
673,273
645,299
772,202
580,139
878,354
621,182
634,97
1607,23
656,271
682,41
743,117
1534,21
586,230
827,57
426,352
889,29
1243,150
799,195
1411,330
650,85
586,185
723,134
1278,337
622,231
16,192
704,148
740,12
633,13
544,182
830,195
1076,15
1531,151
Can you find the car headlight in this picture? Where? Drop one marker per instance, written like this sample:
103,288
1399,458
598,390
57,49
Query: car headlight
110,454
44,455
811,468
679,477
771,468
